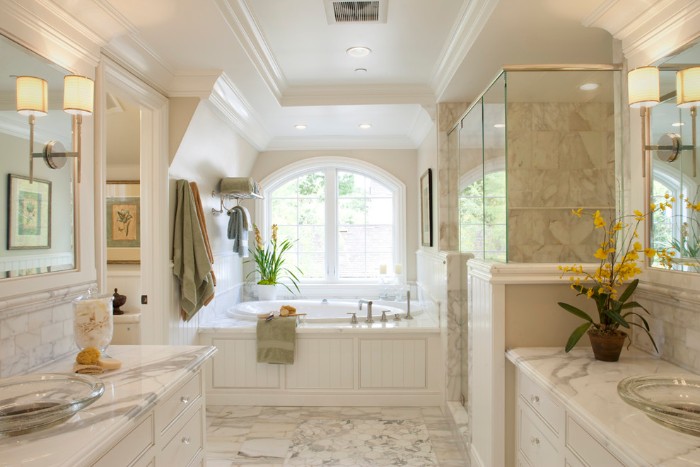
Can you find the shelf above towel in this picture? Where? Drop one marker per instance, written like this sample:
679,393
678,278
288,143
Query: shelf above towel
235,188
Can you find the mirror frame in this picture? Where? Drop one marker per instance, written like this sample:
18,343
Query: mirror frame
48,42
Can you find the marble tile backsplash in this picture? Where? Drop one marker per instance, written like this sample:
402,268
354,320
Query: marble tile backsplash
675,324
36,329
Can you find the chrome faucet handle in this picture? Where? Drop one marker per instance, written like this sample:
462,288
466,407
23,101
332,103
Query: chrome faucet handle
353,320
397,317
383,318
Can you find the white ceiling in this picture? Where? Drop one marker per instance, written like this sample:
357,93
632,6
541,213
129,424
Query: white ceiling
283,63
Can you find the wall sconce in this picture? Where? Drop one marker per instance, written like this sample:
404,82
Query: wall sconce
643,93
32,100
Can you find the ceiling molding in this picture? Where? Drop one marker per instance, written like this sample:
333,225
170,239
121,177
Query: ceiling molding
230,103
340,142
199,83
422,125
647,32
241,22
357,95
472,19
113,13
41,25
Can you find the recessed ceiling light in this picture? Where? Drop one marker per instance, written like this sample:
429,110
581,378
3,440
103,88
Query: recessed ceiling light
499,125
677,124
358,51
589,86
365,126
300,126
361,70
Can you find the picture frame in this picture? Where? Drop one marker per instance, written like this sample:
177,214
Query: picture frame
28,213
426,208
123,218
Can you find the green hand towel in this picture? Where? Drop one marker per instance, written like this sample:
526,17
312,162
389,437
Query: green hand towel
276,340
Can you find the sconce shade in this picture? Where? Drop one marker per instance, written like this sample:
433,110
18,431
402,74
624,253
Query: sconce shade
643,87
688,87
32,96
78,95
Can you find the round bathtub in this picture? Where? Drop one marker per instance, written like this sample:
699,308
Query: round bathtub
317,311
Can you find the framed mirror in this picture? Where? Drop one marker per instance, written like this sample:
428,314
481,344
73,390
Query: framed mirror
675,169
38,218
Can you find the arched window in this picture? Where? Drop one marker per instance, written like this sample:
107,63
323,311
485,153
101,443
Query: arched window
346,218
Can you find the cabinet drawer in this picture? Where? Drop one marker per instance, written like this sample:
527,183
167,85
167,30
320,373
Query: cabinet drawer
185,396
534,443
586,448
542,403
185,444
127,451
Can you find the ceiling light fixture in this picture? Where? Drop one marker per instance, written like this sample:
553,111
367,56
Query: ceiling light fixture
361,70
365,126
358,51
300,126
499,125
589,86
677,124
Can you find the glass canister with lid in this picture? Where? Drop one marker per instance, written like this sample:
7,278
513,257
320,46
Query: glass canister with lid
93,324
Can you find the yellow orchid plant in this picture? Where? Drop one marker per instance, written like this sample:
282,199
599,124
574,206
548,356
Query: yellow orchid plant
618,253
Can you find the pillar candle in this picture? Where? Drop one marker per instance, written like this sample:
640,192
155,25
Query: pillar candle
382,269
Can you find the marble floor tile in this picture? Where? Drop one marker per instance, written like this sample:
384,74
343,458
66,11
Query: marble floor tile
353,436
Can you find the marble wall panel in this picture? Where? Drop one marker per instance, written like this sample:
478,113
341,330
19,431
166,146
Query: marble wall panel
35,330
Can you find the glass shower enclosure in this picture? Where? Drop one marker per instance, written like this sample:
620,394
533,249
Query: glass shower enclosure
539,142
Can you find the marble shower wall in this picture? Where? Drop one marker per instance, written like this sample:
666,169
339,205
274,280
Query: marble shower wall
561,156
448,115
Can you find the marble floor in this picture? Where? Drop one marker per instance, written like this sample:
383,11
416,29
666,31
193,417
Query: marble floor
351,436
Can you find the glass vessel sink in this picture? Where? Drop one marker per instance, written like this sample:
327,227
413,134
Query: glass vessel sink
671,401
32,402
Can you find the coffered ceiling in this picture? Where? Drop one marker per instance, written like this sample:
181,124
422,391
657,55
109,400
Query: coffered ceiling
280,63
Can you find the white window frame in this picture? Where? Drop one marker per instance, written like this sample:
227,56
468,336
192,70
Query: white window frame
285,174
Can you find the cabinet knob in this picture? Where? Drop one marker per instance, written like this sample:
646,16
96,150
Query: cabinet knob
534,399
185,440
535,441
185,399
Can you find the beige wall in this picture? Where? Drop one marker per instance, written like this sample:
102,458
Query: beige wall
209,149
401,163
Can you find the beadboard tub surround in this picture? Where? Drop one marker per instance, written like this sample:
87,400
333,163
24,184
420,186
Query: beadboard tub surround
152,410
391,364
595,415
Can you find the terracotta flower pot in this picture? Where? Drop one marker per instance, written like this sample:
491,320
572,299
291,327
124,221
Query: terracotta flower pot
607,347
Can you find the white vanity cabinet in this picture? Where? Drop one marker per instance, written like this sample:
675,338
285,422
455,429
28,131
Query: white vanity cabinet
567,412
547,435
152,413
171,434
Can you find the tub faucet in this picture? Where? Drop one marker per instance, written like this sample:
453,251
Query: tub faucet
408,304
369,309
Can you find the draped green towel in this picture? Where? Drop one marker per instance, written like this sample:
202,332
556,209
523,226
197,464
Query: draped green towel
276,340
191,262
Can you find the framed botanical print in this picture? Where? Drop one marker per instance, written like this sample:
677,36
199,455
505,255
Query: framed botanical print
123,212
28,213
426,208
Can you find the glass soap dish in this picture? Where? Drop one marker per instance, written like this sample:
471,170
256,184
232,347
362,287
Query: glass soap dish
36,401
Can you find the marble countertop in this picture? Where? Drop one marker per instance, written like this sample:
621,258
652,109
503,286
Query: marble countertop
147,373
588,388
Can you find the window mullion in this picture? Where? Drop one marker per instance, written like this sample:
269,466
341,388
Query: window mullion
331,225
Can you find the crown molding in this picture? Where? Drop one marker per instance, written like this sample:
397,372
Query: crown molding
48,30
231,104
339,143
422,125
240,21
472,19
647,32
357,95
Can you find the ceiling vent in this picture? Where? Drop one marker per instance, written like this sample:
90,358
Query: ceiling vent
339,12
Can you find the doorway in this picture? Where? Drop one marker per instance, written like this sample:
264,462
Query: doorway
132,182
